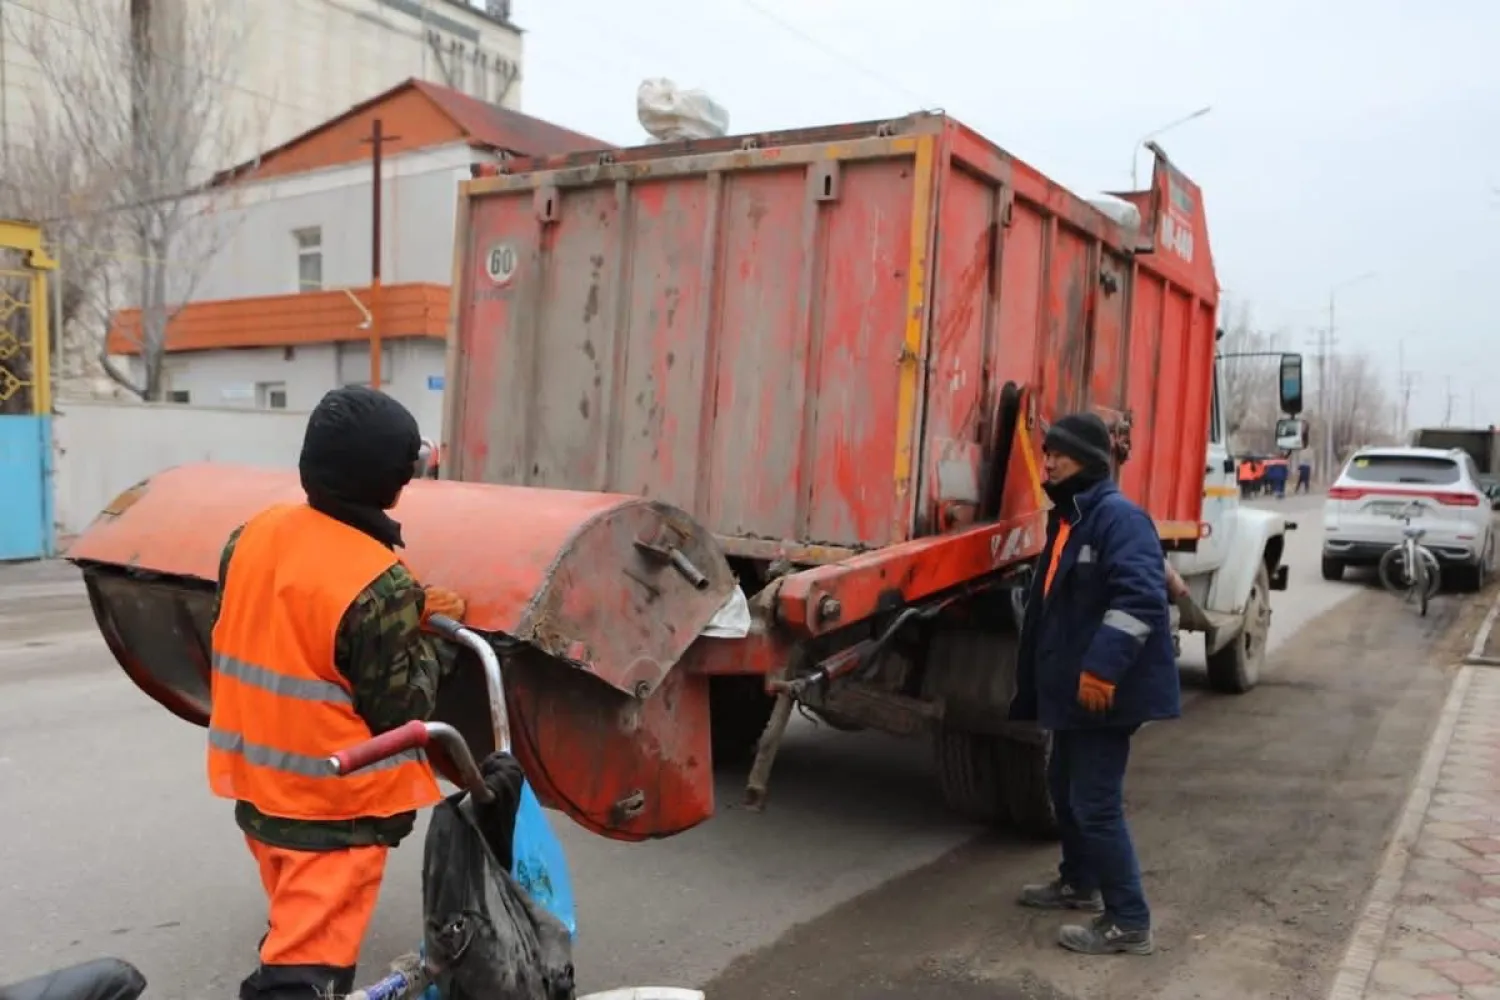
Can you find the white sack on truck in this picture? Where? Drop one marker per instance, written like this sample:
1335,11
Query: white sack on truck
670,113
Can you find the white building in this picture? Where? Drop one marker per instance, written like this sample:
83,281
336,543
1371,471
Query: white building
287,64
281,306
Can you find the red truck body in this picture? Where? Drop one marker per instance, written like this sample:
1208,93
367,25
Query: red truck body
801,339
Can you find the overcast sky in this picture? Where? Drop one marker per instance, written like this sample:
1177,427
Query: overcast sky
1346,136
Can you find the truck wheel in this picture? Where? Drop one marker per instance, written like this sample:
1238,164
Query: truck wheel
1024,787
967,775
1235,669
997,781
1332,569
738,710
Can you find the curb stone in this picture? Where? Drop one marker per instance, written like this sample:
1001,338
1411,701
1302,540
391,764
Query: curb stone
1476,655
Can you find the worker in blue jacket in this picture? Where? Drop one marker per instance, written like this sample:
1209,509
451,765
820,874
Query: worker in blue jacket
1096,662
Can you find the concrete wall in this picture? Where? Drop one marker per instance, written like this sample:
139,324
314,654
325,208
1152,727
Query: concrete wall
102,449
238,380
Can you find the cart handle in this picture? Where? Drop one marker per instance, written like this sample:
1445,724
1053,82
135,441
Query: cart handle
481,647
415,735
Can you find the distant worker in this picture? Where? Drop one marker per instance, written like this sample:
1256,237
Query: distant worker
318,644
1304,477
1096,662
1276,475
1246,475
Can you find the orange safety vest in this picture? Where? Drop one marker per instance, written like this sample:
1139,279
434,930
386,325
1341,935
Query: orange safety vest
1064,529
281,707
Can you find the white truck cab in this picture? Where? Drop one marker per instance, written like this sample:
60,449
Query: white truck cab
1238,559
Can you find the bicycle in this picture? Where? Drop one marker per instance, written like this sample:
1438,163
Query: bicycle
1419,573
409,977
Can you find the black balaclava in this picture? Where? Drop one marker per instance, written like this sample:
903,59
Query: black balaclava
1084,438
360,450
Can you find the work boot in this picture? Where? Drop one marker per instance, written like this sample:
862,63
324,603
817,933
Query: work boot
1055,895
1102,936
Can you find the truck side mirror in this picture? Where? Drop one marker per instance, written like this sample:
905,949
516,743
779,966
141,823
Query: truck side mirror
1291,384
1291,434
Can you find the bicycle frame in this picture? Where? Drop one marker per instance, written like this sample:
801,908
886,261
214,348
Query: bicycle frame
1418,564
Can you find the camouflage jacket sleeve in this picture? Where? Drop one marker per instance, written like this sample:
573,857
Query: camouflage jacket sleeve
393,666
224,557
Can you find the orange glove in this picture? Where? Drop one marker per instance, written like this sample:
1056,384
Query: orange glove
442,601
1095,695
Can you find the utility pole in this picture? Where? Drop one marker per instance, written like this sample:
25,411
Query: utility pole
1404,382
1326,354
1448,405
377,140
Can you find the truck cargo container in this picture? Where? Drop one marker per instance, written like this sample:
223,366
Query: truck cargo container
826,359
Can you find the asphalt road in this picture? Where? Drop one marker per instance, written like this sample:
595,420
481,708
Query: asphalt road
115,846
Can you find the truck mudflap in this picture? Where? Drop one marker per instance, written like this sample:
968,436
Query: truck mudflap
593,598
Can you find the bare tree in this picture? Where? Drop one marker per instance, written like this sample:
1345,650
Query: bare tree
1360,411
131,118
1248,379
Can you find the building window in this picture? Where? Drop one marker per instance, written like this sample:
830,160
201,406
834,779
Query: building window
309,258
179,396
270,395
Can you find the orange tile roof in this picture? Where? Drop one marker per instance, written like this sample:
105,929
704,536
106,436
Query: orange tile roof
418,115
406,310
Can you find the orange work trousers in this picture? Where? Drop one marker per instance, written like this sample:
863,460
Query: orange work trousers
321,902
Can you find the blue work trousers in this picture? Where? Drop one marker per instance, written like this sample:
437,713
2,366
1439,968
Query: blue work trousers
1086,775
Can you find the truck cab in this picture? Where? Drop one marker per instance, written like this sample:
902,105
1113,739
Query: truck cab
1237,560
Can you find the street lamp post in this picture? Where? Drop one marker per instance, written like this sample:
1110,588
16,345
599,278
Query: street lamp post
1135,153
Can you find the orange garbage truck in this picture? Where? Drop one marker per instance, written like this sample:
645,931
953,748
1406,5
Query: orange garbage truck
744,424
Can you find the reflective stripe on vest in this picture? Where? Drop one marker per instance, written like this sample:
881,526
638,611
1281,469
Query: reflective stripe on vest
280,705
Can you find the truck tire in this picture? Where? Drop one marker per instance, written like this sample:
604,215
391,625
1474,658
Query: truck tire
738,710
1333,570
968,778
1028,800
1235,669
997,781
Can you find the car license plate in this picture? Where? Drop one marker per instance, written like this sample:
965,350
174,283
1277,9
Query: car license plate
1392,509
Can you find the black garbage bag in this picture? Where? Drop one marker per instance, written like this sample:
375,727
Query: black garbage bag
485,939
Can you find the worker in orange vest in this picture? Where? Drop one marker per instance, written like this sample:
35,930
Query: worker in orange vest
318,644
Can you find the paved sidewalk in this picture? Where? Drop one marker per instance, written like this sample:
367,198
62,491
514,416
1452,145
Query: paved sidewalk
1431,927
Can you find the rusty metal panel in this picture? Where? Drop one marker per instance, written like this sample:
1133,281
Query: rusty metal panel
723,333
858,315
958,368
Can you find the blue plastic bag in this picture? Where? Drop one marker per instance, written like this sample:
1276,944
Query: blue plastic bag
539,864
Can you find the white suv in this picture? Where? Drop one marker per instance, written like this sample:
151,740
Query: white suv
1361,518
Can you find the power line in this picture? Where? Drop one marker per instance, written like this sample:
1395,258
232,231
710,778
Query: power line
842,57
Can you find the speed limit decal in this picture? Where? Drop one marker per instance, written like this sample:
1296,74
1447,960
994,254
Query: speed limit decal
500,262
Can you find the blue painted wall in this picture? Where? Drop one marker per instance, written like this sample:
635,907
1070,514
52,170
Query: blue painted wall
25,488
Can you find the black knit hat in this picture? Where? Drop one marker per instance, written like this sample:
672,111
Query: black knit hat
1082,437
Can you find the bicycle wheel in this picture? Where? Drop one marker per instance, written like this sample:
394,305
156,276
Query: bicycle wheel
1434,571
1394,575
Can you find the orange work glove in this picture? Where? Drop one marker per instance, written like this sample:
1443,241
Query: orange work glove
1095,695
442,601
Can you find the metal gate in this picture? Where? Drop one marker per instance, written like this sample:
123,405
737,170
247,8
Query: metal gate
26,530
